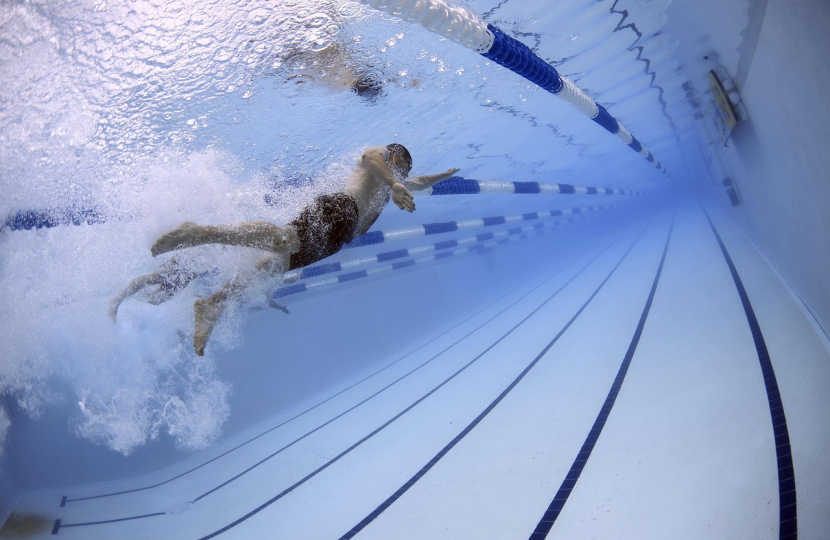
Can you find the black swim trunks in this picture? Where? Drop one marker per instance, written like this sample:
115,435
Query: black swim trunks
324,227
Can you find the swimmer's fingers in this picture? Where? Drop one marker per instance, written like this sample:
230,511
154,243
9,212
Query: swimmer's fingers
409,203
446,175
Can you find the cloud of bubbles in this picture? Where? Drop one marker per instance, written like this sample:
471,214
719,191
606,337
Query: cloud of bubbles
122,107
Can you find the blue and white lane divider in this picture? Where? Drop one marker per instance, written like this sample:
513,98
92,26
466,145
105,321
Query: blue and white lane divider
461,25
46,219
480,247
427,229
457,185
332,268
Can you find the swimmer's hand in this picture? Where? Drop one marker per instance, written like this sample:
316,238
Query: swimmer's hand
447,175
402,197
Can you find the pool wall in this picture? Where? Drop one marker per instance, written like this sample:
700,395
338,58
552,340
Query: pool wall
779,158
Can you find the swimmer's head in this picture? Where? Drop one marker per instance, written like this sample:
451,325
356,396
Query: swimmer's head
400,160
368,86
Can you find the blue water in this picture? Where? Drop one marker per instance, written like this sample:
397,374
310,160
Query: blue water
154,113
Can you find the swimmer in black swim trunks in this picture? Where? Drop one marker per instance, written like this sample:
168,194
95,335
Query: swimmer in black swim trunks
321,229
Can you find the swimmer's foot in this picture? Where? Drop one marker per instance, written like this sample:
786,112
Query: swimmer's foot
113,310
275,305
185,235
207,311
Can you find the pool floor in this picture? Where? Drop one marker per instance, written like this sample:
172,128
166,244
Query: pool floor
629,393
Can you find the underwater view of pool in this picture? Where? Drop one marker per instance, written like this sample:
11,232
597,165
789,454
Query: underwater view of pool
607,319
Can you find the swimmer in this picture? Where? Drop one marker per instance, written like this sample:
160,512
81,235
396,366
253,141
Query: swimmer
322,228
335,67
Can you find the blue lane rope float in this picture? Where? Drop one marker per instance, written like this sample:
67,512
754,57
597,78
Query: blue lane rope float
461,25
427,229
37,219
46,219
334,267
456,185
479,247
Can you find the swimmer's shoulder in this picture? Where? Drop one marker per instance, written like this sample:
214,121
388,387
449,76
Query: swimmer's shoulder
382,150
373,152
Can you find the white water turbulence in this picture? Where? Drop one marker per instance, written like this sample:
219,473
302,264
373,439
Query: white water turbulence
133,108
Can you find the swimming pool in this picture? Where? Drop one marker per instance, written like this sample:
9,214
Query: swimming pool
570,343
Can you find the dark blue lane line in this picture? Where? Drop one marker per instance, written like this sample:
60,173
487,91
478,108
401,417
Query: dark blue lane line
396,417
65,499
788,519
555,507
58,525
426,468
543,282
295,441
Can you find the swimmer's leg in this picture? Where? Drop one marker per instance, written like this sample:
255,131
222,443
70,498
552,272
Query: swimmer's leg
171,278
253,234
208,310
171,286
133,287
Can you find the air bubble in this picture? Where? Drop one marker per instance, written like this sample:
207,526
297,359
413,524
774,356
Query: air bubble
318,20
350,9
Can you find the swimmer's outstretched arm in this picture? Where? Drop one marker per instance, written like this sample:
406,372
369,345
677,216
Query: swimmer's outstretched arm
418,183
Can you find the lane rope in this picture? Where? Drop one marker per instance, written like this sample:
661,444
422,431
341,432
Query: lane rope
465,27
456,185
476,245
427,229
